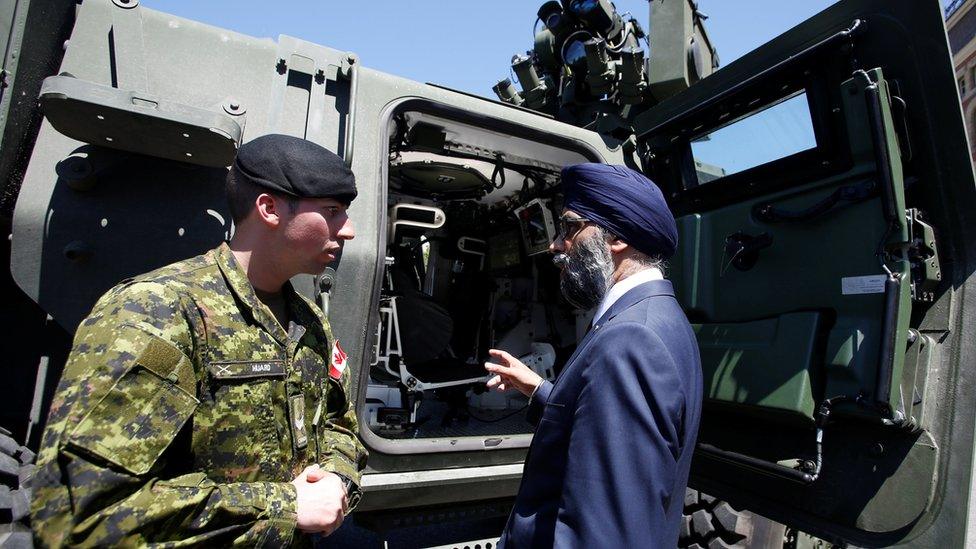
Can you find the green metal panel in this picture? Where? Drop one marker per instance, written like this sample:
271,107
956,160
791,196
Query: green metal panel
840,245
13,16
31,38
685,266
768,363
851,351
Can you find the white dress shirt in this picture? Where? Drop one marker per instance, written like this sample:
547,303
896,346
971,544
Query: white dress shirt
623,286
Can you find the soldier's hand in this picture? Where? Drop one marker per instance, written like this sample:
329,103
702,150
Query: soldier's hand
510,373
315,473
321,500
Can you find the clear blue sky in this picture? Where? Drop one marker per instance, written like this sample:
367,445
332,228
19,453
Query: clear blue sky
461,44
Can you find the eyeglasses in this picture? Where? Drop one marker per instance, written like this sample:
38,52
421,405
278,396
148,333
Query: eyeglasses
570,226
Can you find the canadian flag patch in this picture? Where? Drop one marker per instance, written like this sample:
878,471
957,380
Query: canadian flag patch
338,361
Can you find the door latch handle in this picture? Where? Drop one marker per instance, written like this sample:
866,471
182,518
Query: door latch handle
742,250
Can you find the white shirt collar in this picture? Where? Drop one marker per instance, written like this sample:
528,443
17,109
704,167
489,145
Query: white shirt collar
623,286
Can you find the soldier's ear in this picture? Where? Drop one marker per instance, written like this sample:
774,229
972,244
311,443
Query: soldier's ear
268,210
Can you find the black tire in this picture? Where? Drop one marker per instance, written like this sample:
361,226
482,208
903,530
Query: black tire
16,472
711,523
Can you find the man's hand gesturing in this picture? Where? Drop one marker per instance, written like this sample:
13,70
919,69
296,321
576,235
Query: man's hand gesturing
510,373
321,500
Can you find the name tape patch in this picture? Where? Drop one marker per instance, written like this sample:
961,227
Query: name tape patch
246,369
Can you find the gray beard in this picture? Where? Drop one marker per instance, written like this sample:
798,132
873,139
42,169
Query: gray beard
587,271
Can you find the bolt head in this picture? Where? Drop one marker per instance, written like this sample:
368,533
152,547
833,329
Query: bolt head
234,107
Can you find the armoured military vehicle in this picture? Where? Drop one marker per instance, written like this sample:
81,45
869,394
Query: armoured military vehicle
827,270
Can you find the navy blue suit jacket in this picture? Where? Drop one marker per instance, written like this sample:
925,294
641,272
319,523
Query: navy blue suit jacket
609,461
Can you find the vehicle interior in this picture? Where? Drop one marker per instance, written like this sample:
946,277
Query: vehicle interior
471,214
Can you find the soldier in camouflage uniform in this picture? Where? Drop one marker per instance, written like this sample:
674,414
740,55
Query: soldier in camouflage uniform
206,402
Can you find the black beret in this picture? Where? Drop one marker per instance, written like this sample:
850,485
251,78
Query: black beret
625,203
295,167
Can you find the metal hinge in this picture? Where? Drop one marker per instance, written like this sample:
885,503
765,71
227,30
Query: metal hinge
923,256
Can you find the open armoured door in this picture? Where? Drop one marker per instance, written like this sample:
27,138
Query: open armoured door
821,186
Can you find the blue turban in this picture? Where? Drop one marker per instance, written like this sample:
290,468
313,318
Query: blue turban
623,202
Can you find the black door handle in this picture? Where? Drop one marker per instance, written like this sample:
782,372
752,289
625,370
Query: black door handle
743,249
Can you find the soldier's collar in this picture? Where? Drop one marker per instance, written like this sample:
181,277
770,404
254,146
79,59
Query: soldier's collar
240,285
235,275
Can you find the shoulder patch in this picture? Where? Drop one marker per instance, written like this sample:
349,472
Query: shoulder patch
338,363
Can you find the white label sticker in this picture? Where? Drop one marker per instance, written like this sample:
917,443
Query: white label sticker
871,284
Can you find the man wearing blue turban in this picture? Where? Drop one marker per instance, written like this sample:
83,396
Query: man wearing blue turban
609,460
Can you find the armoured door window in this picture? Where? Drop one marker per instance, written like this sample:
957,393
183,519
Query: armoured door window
773,132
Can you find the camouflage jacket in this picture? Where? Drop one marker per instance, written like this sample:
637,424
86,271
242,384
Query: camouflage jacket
184,412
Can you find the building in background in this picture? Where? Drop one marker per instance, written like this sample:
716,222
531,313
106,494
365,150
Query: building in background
961,26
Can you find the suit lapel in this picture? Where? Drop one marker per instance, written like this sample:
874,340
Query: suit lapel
633,297
636,294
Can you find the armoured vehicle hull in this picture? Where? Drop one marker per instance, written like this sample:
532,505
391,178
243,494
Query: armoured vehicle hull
823,191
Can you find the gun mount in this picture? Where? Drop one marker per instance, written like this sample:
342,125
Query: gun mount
588,66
